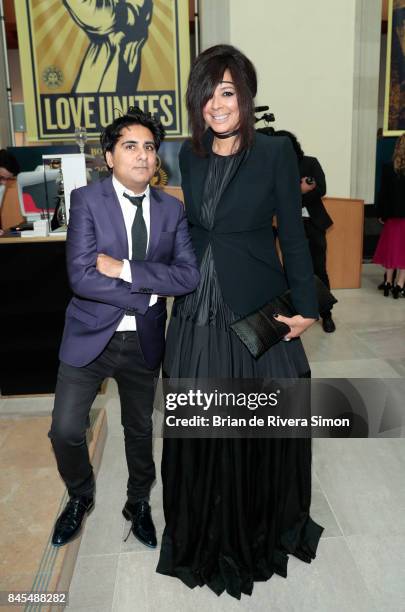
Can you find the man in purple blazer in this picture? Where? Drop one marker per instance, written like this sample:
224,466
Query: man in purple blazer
127,246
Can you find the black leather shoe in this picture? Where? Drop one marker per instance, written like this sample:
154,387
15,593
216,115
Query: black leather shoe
142,524
387,288
68,525
328,325
397,291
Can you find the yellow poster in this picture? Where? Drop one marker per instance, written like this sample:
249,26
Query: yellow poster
84,62
394,110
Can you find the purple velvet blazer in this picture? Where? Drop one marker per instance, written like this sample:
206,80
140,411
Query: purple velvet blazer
96,225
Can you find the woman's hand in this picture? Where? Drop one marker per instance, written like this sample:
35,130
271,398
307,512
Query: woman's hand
297,324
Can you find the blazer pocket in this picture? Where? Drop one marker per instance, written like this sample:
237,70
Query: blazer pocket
82,315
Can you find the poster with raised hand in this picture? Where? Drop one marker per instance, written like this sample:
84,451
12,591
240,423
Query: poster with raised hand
84,62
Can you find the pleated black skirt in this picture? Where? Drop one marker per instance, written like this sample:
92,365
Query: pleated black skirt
234,508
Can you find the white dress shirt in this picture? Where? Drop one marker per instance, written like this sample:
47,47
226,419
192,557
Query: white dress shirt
128,323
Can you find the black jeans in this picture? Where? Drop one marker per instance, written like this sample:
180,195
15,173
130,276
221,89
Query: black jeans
317,246
75,392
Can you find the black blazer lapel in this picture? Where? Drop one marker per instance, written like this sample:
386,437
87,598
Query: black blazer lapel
198,174
199,170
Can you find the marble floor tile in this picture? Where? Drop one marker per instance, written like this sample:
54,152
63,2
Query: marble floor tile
387,343
20,452
363,480
6,429
398,365
16,581
113,411
31,495
340,345
362,307
92,586
331,582
131,581
381,562
352,368
30,406
104,526
322,513
373,326
371,278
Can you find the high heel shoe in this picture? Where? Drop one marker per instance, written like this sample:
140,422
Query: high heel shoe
397,291
387,288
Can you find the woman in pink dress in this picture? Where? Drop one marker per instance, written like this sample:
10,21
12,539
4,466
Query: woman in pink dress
390,251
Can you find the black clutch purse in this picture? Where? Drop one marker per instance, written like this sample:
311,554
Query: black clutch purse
259,330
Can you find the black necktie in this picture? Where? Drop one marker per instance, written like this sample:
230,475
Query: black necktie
138,230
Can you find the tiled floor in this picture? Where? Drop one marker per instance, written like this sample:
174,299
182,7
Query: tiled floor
31,497
358,496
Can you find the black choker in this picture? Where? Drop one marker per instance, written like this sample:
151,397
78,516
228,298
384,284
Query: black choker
225,135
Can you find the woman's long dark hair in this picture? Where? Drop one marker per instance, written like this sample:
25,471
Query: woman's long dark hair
206,73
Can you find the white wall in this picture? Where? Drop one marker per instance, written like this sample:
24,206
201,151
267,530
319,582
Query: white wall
214,21
310,55
365,99
381,84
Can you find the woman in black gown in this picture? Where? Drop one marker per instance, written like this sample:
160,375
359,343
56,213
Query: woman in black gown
235,508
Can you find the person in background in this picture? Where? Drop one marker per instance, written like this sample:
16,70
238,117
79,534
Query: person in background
382,285
9,168
390,251
314,214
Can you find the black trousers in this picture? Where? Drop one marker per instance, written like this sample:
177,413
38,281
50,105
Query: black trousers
75,392
317,246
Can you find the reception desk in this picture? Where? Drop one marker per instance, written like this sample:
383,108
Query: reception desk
34,296
345,242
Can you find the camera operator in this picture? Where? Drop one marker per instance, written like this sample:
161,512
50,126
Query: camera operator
315,217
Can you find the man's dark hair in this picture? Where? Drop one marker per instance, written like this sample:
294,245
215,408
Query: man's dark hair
294,141
134,116
206,73
9,162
